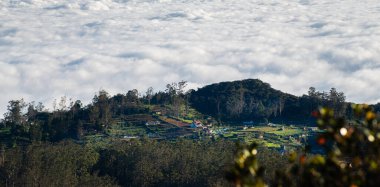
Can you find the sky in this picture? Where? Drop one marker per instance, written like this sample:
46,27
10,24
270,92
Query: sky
74,48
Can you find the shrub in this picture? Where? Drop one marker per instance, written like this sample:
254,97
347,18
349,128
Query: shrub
352,155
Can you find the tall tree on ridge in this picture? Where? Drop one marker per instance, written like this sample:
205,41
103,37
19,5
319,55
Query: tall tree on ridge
100,112
149,94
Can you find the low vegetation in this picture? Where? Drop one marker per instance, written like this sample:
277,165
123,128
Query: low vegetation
352,156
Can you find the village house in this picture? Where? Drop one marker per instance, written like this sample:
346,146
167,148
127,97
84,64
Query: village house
196,124
129,137
151,123
313,128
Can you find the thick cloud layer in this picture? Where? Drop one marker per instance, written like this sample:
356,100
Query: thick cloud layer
52,48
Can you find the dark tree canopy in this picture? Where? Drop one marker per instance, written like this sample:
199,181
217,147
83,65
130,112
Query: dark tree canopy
254,100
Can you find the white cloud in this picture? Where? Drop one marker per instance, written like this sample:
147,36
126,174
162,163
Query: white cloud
52,48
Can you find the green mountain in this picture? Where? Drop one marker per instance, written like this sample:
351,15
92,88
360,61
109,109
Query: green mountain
254,100
248,101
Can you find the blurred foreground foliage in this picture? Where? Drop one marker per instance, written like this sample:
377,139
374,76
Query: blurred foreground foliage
136,162
352,156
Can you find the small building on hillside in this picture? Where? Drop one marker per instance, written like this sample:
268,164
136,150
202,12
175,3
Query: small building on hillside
272,125
129,137
313,128
196,124
149,123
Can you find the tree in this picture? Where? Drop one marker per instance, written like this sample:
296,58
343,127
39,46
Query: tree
133,96
76,107
40,107
312,92
149,94
181,87
75,120
100,111
337,102
171,89
15,117
62,103
31,111
187,97
176,93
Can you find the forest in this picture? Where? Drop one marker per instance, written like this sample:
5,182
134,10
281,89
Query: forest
73,144
125,163
232,102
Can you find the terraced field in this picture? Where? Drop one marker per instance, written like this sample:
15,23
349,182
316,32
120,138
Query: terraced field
269,136
174,121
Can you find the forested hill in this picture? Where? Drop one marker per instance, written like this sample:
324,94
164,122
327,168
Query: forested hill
236,102
254,100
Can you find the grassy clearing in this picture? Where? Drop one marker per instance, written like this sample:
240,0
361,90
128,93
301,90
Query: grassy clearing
261,129
186,120
272,145
267,136
127,129
287,132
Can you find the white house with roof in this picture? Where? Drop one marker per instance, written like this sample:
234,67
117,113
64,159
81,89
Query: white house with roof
196,124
